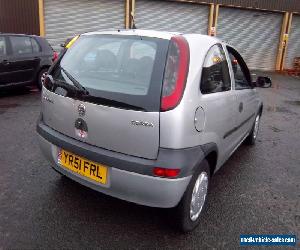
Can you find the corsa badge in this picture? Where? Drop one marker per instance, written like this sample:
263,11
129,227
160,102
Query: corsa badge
81,110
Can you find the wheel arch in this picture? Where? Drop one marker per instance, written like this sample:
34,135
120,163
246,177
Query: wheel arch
44,67
211,156
260,109
40,69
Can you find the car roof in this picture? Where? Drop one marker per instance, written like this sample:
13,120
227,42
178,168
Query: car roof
154,33
136,32
16,34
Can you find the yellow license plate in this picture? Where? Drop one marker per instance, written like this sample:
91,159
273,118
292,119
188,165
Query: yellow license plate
92,170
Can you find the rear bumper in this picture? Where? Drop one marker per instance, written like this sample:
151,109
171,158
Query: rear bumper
130,178
134,187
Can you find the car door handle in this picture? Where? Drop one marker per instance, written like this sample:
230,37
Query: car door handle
241,107
5,62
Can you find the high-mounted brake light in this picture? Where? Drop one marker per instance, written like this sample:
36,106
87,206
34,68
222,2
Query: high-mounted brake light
175,73
166,172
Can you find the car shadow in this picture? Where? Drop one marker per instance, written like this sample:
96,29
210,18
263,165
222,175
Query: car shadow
73,209
17,91
109,213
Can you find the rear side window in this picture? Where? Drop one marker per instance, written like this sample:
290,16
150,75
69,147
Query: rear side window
127,69
21,45
215,73
35,46
2,46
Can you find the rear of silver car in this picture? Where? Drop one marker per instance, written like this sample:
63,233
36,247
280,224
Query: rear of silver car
100,119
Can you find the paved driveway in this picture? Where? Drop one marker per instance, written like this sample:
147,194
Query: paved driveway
256,191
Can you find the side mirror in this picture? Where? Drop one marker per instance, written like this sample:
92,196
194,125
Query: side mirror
262,82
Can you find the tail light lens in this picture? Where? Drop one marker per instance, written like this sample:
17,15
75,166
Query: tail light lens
175,73
166,172
55,56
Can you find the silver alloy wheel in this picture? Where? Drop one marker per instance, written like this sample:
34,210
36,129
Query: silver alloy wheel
256,126
43,77
198,196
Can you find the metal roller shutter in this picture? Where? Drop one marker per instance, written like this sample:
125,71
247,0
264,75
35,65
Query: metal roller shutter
66,18
255,34
171,16
293,48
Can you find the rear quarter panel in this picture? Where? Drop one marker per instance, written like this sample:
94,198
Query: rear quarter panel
177,127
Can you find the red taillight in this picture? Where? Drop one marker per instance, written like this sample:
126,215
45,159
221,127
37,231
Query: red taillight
175,73
166,172
55,56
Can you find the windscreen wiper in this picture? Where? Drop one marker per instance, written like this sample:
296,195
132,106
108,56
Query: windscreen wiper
75,82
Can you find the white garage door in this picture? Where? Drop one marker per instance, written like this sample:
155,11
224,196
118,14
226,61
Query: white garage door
66,18
171,16
255,34
293,49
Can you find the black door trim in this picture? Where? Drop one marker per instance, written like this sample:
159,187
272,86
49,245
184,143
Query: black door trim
236,128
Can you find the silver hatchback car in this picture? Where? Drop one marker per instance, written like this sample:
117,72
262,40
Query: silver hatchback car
148,116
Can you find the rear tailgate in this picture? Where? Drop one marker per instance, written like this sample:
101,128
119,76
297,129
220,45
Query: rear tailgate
123,75
125,131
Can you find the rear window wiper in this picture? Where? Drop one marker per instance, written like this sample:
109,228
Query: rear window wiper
111,103
53,83
73,90
65,85
75,82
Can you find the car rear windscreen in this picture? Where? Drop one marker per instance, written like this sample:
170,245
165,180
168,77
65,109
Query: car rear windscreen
124,69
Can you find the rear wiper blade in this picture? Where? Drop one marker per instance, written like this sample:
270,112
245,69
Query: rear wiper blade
111,103
73,90
65,85
75,82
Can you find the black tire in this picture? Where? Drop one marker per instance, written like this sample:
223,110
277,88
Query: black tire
40,77
182,217
251,139
269,85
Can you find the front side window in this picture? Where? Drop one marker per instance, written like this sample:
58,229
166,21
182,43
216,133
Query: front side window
21,45
2,46
215,74
240,71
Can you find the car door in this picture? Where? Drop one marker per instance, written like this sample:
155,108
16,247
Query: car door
245,94
5,71
218,102
23,62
